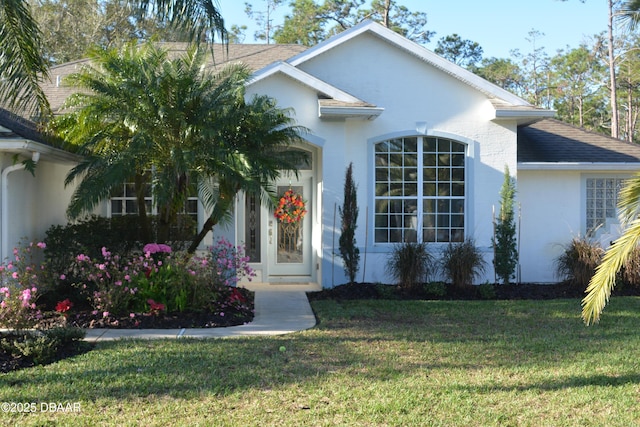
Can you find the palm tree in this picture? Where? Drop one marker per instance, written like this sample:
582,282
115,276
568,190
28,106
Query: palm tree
139,111
23,67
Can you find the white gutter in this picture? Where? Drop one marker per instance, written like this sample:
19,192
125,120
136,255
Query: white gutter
18,144
35,156
577,166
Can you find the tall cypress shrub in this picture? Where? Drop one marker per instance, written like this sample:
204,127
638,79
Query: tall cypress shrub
504,240
349,217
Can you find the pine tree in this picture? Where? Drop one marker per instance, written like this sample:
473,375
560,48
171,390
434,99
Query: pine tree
504,239
349,216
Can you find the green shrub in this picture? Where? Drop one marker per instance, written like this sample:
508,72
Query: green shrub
410,265
630,271
578,262
435,289
462,263
487,291
43,347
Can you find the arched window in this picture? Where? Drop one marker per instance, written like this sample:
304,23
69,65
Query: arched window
419,190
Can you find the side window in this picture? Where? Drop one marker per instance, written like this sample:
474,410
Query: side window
601,203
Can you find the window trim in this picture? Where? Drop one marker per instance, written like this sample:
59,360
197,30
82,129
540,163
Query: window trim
470,149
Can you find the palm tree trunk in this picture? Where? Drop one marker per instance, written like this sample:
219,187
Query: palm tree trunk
207,227
145,228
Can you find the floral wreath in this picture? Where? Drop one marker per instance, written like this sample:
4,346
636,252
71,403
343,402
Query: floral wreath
291,208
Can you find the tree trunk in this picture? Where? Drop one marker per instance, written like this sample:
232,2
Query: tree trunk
207,227
145,227
612,77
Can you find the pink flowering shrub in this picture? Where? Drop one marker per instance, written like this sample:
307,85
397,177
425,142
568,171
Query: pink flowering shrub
229,263
109,282
118,286
19,290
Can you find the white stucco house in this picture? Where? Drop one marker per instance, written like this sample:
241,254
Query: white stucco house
429,142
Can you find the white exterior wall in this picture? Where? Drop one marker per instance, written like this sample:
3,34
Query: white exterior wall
34,202
552,205
410,91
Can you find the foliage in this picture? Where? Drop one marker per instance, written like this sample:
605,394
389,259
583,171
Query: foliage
229,264
465,53
578,262
630,270
43,346
617,254
117,285
148,112
310,23
349,221
435,289
20,285
487,291
109,281
410,265
70,27
504,242
462,263
22,67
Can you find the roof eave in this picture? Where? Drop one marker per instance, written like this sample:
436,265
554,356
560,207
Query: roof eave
364,113
522,117
580,166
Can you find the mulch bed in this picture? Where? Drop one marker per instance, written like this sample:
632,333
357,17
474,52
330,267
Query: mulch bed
529,291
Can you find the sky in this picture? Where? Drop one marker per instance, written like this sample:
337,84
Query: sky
498,26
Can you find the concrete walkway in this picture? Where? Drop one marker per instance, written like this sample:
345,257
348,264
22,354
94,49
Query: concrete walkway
279,309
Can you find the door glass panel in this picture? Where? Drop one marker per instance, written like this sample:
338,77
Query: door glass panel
289,234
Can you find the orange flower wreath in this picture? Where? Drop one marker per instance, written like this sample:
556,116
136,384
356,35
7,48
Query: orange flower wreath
291,208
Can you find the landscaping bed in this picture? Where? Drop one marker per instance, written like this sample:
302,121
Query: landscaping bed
441,291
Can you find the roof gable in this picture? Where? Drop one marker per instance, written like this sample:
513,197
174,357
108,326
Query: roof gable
489,89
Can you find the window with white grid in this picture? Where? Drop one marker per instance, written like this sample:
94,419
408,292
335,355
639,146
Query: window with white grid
419,190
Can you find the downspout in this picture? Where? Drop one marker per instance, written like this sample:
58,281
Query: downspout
35,156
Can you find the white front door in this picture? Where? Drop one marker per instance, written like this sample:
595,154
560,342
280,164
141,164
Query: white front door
289,250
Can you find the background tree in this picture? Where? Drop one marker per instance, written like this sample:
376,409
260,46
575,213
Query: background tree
578,83
23,66
349,222
310,22
504,73
504,241
264,19
465,53
301,26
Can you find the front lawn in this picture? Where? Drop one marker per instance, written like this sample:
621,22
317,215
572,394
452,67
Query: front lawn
375,362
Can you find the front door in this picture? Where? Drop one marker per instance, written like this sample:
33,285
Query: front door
289,235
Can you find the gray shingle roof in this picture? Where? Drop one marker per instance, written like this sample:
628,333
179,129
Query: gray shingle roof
552,141
20,127
254,56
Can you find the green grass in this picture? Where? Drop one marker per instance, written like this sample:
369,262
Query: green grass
367,363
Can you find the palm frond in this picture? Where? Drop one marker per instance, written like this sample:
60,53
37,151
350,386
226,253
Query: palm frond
199,18
21,66
603,281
